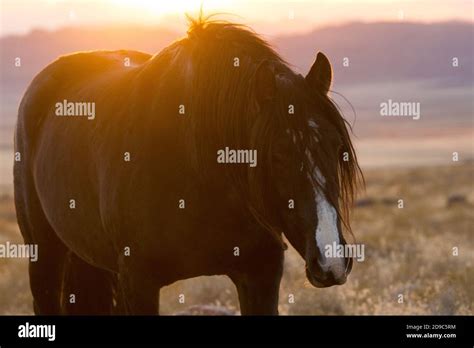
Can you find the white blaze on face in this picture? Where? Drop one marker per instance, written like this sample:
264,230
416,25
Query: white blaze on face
327,232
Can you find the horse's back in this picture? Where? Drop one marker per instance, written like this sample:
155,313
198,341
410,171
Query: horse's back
77,68
82,64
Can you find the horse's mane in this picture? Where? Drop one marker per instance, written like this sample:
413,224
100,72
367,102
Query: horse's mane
224,112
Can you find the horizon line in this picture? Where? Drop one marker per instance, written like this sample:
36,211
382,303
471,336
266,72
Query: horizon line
161,26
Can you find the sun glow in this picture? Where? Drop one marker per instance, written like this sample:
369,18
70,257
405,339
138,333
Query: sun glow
172,7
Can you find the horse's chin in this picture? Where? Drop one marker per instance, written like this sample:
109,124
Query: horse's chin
319,284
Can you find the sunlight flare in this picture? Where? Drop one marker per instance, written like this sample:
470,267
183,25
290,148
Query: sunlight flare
166,7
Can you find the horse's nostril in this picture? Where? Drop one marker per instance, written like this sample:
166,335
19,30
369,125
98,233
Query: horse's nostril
349,262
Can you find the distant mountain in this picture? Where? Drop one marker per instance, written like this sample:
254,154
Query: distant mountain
376,51
383,52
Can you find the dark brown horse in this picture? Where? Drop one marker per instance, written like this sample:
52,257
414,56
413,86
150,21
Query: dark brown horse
137,194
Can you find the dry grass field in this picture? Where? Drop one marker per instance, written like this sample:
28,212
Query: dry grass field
408,251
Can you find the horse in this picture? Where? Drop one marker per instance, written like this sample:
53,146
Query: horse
134,198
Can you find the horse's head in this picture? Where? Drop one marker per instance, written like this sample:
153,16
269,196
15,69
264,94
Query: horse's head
313,166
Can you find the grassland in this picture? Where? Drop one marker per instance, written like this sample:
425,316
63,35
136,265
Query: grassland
408,251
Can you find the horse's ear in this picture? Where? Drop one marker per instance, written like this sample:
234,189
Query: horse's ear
320,75
265,84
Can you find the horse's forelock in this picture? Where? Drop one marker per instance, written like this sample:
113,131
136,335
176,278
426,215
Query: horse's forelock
334,155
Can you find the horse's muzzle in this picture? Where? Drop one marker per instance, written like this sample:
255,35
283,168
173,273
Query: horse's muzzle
321,279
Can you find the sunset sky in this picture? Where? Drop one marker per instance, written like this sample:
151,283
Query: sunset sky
271,16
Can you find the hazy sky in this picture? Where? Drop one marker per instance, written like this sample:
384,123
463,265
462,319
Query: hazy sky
271,16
